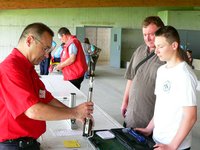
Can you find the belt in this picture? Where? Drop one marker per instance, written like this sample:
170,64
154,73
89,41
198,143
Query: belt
23,142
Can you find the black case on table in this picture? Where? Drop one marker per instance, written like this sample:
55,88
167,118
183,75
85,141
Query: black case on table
122,141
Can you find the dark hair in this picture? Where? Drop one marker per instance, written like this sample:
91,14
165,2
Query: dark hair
62,45
86,40
189,51
37,29
63,30
170,33
153,20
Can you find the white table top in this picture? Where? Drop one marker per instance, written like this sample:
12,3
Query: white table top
59,131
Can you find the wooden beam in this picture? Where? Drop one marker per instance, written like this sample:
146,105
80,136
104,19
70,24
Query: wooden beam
31,4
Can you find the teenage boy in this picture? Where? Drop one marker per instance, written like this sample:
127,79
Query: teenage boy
175,109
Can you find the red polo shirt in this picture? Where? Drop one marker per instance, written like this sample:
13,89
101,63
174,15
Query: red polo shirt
20,88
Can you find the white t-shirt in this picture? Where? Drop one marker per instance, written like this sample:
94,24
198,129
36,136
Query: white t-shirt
175,88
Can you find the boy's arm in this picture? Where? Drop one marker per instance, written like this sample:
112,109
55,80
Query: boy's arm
188,121
148,130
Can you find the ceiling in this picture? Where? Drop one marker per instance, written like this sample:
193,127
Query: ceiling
31,4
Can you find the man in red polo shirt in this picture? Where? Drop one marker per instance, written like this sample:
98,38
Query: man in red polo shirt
73,63
25,104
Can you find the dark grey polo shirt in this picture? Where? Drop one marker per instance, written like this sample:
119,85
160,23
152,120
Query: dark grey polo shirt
141,95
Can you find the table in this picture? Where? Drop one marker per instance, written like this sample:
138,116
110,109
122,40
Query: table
52,138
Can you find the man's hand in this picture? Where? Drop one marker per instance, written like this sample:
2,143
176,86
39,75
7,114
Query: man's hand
58,67
84,110
123,111
144,131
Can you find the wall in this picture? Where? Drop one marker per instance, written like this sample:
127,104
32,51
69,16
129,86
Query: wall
131,39
12,22
188,25
187,20
100,37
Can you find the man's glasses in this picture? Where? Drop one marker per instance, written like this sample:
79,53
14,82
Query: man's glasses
47,49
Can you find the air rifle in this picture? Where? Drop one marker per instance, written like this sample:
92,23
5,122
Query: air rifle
87,127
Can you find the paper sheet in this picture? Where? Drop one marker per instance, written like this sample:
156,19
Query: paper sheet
66,132
71,144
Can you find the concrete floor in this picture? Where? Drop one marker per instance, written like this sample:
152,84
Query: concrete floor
108,89
109,86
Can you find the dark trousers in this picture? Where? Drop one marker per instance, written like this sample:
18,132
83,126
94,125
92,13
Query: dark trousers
56,59
77,82
124,124
17,145
94,61
187,148
44,66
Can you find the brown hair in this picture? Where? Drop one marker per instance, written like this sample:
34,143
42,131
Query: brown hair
86,40
171,35
153,20
64,30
